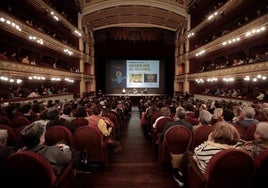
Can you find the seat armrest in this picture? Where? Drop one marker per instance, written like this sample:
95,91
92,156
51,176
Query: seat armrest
195,178
67,175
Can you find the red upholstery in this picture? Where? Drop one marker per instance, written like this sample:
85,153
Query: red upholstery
230,168
159,127
261,169
31,170
113,118
191,120
79,122
12,139
241,130
89,139
250,132
20,121
200,135
5,121
55,134
176,141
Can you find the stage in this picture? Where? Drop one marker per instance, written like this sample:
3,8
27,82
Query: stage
134,95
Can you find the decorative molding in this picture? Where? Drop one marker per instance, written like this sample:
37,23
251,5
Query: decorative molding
237,71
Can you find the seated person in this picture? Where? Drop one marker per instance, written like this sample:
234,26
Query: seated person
248,117
178,120
105,127
33,136
260,141
5,150
53,116
224,136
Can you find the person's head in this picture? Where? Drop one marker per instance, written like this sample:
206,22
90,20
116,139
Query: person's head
165,111
249,112
33,134
67,109
97,110
81,111
261,131
53,113
217,113
180,112
3,137
228,115
265,112
225,133
237,110
205,117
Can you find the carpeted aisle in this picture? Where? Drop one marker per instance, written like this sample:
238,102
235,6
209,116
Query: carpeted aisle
135,166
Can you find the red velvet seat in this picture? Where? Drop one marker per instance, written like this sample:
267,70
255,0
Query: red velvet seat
241,130
59,133
5,121
20,121
176,141
79,122
31,170
89,140
230,168
261,170
250,132
200,135
159,127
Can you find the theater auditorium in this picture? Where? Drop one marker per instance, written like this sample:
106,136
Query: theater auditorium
123,93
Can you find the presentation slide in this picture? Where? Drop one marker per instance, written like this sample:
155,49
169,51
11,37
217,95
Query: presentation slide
135,76
142,74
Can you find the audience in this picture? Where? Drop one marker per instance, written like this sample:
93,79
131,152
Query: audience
260,141
104,127
178,121
164,113
53,116
5,150
205,118
67,113
33,136
248,119
224,136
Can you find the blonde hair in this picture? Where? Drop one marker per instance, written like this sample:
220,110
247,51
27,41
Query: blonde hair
217,113
225,133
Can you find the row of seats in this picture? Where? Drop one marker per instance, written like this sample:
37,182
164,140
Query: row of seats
230,168
86,139
182,138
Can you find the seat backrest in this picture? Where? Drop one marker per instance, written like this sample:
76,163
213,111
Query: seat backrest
89,139
261,169
176,141
59,133
241,130
230,168
20,121
5,121
79,122
200,134
191,120
12,139
161,123
28,169
250,132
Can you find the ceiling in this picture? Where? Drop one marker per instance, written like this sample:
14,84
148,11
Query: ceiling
164,14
